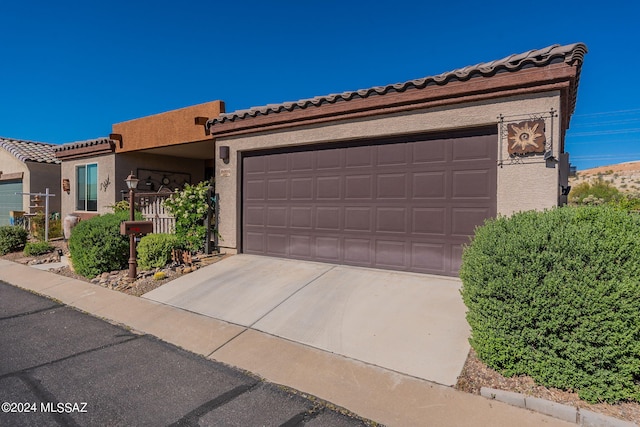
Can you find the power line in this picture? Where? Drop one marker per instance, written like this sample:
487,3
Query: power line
607,113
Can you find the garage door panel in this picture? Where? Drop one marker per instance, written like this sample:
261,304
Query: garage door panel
254,190
464,220
391,220
302,188
428,257
429,151
329,159
392,154
328,249
472,184
403,205
254,216
302,217
431,221
276,163
277,189
429,185
359,157
358,187
300,246
277,217
277,244
358,219
302,161
329,187
358,251
254,165
328,218
254,242
390,254
392,186
478,148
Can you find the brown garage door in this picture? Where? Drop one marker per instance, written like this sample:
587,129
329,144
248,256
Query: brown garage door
401,205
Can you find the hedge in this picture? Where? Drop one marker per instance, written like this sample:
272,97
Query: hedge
556,295
96,245
12,238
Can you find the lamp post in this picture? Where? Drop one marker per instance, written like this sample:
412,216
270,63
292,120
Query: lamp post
132,183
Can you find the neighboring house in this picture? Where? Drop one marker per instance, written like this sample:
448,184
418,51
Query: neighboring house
27,167
398,176
164,151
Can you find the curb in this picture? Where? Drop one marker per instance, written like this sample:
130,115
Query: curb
568,413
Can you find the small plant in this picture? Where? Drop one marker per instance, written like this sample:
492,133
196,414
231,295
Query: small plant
159,275
12,238
121,206
154,250
37,248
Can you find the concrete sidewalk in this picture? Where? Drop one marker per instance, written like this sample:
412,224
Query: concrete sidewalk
375,392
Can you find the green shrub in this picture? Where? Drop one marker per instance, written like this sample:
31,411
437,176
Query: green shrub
154,250
596,192
189,207
556,295
12,238
37,248
96,245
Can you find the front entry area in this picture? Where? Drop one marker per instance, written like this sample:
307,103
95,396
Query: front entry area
404,204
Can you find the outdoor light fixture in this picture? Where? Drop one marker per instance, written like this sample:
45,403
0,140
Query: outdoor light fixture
224,153
548,156
132,183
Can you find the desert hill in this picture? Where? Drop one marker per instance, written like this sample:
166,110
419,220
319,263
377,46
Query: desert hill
625,176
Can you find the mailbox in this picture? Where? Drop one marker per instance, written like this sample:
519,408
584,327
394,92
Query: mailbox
136,227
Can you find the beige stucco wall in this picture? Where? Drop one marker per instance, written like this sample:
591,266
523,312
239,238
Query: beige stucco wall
106,181
113,170
526,186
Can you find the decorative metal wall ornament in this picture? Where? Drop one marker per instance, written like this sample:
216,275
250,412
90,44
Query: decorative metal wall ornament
526,137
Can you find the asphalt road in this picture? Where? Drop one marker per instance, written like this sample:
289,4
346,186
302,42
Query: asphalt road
59,366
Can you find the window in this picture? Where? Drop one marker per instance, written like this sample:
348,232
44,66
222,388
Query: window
87,187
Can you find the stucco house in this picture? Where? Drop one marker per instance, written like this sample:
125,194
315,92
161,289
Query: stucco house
27,167
398,176
164,151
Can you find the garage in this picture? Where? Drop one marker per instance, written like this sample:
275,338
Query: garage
402,204
9,200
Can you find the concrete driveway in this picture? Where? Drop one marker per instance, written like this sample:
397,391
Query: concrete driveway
406,322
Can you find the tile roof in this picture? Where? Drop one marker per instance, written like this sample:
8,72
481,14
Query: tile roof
84,144
29,151
572,54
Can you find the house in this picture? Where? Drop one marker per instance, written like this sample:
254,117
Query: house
163,151
27,167
398,176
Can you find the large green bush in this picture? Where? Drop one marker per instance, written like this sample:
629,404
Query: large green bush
556,295
154,250
12,238
96,245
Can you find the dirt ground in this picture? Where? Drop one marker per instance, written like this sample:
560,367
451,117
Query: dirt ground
475,374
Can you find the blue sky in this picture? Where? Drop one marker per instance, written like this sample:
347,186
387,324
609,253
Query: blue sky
70,69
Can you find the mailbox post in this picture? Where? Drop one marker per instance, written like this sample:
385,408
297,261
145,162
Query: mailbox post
132,183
